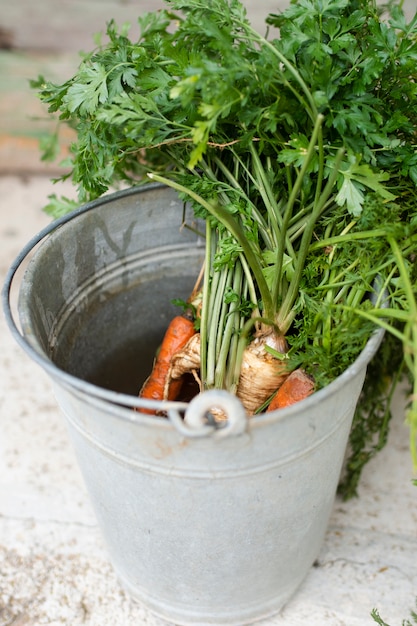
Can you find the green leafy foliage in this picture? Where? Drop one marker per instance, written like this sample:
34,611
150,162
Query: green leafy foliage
406,622
59,206
299,152
370,427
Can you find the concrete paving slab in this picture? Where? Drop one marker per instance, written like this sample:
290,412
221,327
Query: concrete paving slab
53,563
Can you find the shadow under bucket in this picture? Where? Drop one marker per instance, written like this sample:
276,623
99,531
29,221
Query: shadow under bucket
204,526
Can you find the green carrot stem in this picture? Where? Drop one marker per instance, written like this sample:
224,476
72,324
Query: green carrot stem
235,228
410,347
205,312
230,328
218,282
259,219
223,313
289,208
285,314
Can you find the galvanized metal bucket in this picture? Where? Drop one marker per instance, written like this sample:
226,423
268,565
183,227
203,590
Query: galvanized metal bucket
204,526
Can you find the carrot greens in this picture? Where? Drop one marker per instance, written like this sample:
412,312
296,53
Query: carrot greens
298,148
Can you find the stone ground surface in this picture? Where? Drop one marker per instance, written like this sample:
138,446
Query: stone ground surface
53,564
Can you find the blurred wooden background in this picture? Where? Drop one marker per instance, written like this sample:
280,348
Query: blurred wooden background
45,37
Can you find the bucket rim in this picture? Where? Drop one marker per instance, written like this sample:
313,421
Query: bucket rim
56,373
127,401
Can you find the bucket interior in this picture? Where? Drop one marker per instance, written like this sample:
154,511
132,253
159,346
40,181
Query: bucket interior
115,341
98,295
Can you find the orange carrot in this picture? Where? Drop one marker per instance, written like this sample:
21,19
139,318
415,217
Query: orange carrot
159,385
297,386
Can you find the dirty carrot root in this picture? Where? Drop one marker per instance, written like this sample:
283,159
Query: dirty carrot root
160,385
261,373
297,386
187,359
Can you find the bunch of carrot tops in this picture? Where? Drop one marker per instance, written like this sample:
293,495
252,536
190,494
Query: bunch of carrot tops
298,148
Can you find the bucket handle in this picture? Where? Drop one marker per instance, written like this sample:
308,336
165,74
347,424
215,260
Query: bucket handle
198,422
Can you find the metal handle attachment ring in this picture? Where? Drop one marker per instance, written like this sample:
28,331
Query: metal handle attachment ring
198,421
